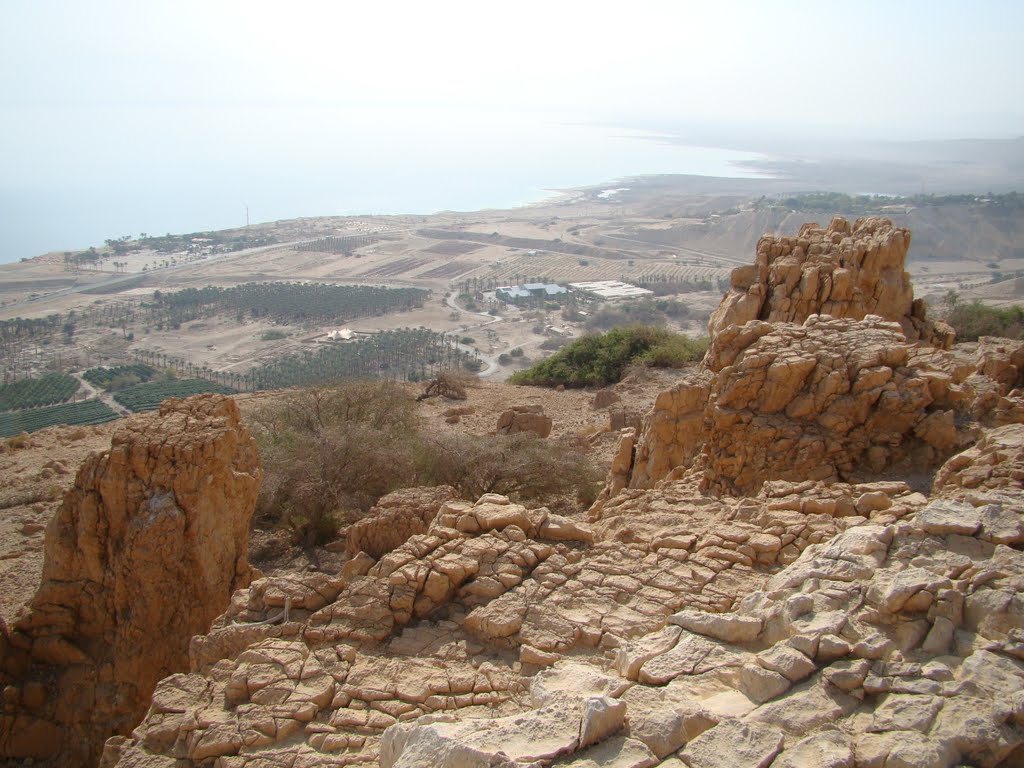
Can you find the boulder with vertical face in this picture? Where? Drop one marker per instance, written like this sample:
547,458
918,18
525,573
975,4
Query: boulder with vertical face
144,553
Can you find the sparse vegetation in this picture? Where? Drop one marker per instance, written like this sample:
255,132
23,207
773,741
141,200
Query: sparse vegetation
330,453
972,320
832,202
412,354
448,386
119,376
641,312
520,465
284,302
602,359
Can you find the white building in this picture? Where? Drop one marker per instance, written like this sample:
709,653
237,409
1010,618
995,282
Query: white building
610,289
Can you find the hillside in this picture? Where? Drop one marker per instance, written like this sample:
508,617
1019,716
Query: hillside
809,552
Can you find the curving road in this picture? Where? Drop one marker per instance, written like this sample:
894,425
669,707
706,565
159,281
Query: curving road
492,365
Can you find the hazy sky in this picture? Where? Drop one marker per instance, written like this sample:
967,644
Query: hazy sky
123,116
933,68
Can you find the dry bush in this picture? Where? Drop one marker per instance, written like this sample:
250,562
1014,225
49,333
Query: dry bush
520,465
330,454
447,386
17,442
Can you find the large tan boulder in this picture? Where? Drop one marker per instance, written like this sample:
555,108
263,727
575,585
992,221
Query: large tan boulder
144,553
524,418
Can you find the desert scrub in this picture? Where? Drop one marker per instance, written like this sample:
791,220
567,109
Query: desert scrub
330,453
602,359
972,320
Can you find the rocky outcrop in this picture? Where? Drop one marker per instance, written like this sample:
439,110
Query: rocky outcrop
841,271
995,462
831,400
814,623
897,644
340,658
823,366
762,583
144,553
492,590
395,518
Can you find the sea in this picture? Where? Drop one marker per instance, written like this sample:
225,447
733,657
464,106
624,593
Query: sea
72,181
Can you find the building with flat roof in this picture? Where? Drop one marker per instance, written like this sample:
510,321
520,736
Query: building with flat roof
610,289
514,293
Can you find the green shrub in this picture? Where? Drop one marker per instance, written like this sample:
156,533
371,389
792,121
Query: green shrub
973,320
602,359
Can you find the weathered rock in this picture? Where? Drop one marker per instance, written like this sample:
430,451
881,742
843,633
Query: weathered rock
728,627
520,418
821,401
395,518
830,749
144,553
732,743
605,397
842,271
542,734
995,462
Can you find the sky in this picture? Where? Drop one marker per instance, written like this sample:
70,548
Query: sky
898,67
100,93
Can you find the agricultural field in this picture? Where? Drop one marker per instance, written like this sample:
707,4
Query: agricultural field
34,393
285,302
454,248
104,378
409,354
557,267
449,270
393,268
34,419
147,397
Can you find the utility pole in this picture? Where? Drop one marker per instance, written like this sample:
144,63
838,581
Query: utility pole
246,214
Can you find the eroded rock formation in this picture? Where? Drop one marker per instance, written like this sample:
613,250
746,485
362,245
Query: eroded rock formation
824,367
811,625
827,400
843,271
145,552
764,582
396,517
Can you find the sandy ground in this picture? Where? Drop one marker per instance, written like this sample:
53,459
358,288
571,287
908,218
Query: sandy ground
34,474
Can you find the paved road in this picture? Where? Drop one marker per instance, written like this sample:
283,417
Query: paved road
492,365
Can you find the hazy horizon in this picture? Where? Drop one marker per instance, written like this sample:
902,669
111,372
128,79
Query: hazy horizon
119,117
